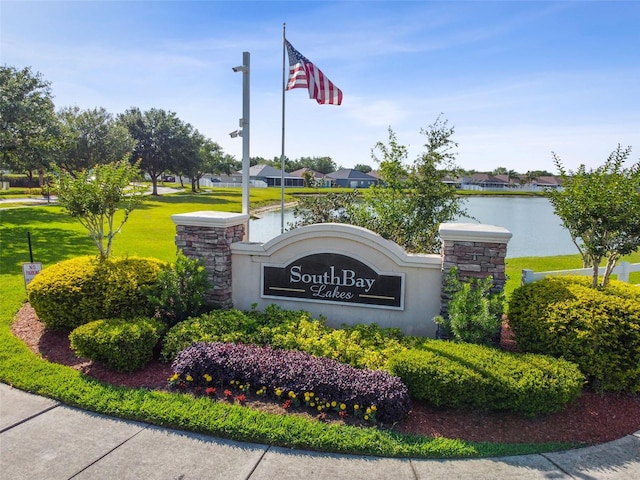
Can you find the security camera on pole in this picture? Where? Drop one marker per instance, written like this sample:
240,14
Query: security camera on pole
244,133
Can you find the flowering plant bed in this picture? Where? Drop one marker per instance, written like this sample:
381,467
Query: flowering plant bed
279,402
294,377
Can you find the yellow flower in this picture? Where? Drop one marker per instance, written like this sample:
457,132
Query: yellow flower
313,404
278,392
319,408
292,394
207,377
189,378
366,417
343,406
334,403
174,377
356,407
373,408
328,404
368,410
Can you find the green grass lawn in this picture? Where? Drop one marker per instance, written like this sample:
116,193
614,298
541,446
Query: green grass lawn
150,232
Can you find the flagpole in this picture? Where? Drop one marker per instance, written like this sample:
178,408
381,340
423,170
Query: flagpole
284,27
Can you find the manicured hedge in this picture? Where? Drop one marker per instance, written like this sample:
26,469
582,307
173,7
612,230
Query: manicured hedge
77,291
462,375
123,345
597,328
296,372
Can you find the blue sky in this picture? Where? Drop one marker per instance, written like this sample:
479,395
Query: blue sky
517,80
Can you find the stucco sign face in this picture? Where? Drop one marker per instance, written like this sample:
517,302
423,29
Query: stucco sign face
333,277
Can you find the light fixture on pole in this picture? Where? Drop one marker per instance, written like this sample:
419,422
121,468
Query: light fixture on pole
244,132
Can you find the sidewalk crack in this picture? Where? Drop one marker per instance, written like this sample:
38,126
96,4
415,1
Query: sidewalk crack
24,420
108,452
258,462
557,465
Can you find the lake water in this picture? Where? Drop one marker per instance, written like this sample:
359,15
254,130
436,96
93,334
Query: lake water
537,231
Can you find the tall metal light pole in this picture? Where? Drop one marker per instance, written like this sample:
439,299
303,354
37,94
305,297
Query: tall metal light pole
244,132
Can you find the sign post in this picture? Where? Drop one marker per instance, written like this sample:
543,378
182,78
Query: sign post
30,270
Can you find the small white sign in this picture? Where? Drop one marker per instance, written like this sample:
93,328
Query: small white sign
30,270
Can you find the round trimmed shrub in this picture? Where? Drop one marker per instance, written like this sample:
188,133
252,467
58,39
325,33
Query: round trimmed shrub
77,291
597,328
122,345
463,375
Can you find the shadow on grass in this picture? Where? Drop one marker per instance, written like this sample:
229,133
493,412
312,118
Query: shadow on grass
229,198
49,244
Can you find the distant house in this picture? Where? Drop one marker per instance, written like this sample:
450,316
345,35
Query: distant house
510,180
352,179
546,182
486,181
454,182
273,177
320,178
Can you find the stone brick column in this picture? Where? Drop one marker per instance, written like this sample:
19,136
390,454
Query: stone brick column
207,236
476,250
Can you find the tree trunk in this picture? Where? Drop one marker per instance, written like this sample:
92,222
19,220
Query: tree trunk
595,264
611,264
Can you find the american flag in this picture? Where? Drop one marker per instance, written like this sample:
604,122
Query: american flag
304,74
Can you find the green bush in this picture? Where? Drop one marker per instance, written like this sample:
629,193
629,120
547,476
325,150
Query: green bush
179,291
254,327
77,291
474,311
122,345
463,375
216,326
597,328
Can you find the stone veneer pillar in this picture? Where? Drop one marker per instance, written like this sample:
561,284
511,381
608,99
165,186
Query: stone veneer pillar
207,236
476,250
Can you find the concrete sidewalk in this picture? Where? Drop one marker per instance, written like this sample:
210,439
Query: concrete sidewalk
43,439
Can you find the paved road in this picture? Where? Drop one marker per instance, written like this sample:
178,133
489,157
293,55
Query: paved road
43,439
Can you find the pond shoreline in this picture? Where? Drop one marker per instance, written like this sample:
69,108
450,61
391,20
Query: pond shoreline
257,212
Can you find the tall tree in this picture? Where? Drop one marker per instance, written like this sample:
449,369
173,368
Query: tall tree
91,137
209,158
28,125
163,141
601,209
319,164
